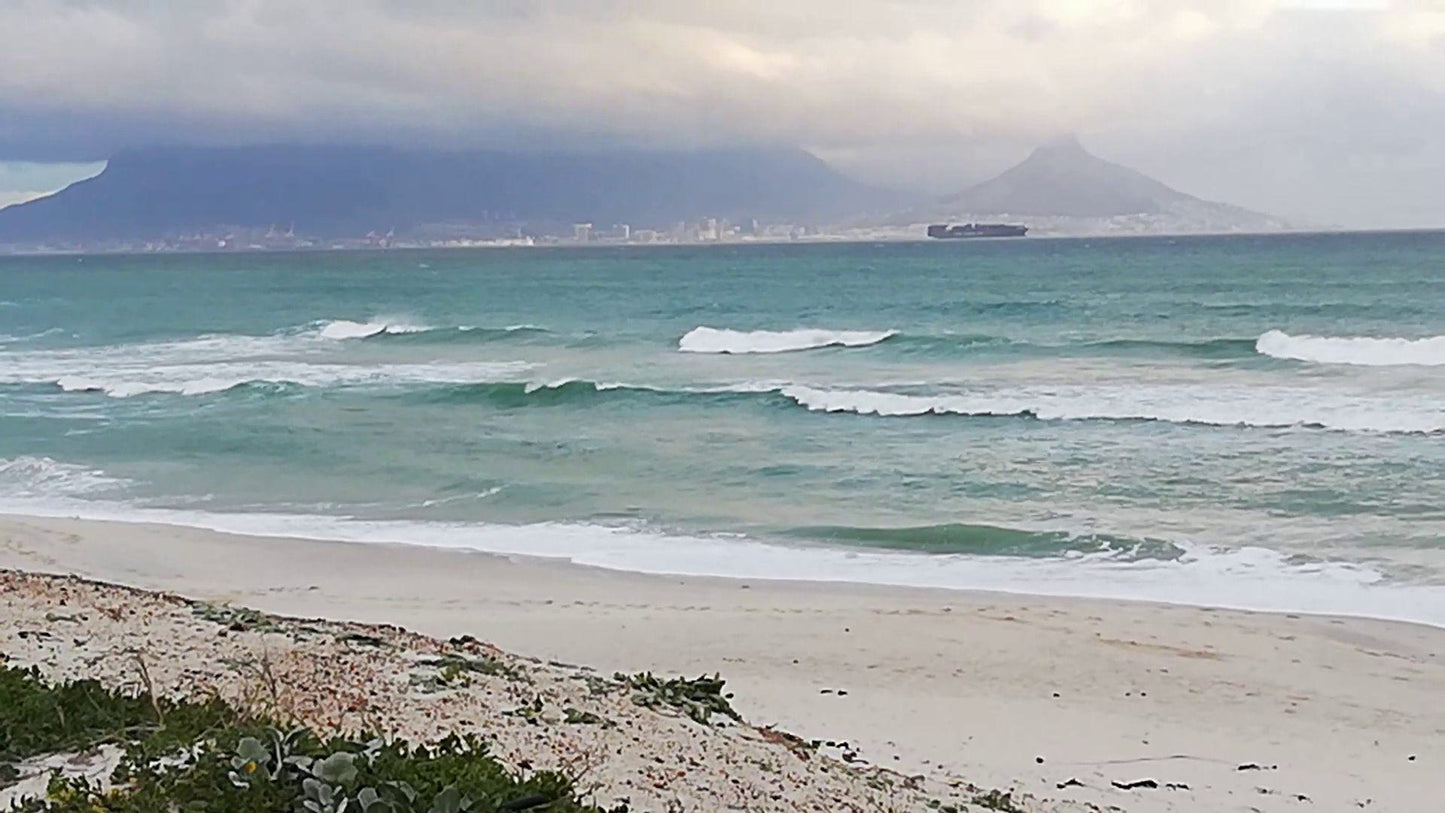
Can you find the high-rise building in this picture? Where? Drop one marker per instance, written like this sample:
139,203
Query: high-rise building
582,232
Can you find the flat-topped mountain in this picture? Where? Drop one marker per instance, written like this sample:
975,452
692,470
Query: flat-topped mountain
345,191
1063,180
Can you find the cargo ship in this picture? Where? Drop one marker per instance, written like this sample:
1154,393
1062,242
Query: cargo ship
943,231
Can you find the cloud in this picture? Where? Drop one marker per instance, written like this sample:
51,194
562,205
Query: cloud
916,83
738,69
9,197
22,181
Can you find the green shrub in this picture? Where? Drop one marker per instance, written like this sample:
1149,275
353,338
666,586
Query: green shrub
208,756
699,698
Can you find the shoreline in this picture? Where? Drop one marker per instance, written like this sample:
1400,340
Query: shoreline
1248,579
1008,690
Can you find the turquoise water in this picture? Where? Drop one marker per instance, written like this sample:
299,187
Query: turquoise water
1247,421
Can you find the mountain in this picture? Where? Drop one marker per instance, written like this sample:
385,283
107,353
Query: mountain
349,191
1061,181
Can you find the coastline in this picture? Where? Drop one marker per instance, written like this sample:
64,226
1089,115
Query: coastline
831,239
1247,579
941,682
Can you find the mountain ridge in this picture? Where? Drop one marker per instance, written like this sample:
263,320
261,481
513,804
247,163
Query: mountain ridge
349,191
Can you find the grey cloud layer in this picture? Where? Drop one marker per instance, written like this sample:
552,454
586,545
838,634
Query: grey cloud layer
863,78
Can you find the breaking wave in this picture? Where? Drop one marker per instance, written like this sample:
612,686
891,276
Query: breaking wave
1357,350
40,477
989,540
715,340
197,379
1278,409
581,392
1251,578
220,362
346,329
1255,408
721,341
343,329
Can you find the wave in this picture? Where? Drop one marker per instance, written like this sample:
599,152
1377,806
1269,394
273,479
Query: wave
465,334
342,329
582,392
1275,409
1204,348
1253,408
516,394
715,340
346,329
219,362
1356,350
38,477
1222,348
1248,578
10,339
205,379
988,540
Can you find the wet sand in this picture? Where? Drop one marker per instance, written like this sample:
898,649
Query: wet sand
1234,710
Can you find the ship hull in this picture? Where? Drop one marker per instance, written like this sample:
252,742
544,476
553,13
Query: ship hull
976,230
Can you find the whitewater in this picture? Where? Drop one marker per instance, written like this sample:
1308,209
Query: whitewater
1245,578
1365,351
706,339
1239,422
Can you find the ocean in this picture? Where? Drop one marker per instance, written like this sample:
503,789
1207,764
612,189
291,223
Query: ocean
1240,421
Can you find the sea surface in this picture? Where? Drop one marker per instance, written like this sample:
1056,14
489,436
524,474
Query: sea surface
1240,421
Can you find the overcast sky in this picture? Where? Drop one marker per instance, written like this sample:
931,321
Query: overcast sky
1326,111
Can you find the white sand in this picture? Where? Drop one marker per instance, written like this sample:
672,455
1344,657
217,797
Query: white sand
936,681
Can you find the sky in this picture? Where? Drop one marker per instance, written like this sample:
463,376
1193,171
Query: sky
1323,111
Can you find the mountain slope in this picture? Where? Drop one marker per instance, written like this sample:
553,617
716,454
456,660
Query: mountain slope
1063,180
352,190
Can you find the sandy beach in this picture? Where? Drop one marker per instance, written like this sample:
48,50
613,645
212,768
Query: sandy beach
1059,698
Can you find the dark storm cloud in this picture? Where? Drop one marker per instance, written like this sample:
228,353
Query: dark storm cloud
925,92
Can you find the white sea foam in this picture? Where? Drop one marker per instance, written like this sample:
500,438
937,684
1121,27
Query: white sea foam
346,329
1188,405
17,364
714,340
1358,350
8,338
215,363
31,477
199,379
1251,578
480,495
